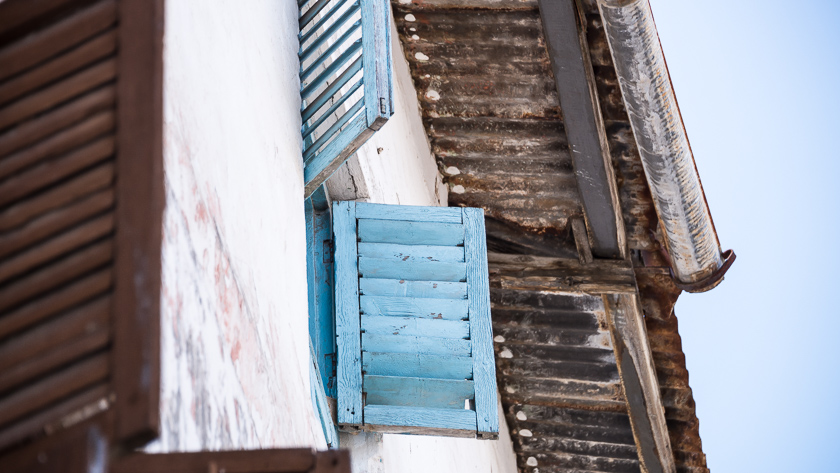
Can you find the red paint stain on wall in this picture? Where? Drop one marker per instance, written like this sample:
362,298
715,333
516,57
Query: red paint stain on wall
234,352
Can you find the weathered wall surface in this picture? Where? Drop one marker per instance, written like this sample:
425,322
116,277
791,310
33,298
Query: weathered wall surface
234,328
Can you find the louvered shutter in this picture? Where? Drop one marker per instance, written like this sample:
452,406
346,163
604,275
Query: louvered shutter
80,213
345,78
413,326
291,460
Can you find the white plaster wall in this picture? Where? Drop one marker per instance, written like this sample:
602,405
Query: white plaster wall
234,329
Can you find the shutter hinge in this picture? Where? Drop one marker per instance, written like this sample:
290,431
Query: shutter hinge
383,106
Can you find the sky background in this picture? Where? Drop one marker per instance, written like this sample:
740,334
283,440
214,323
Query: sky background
758,84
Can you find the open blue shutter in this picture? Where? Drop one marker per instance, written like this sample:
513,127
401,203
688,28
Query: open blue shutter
345,79
414,336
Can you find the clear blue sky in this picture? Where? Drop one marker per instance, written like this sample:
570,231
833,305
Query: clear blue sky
759,88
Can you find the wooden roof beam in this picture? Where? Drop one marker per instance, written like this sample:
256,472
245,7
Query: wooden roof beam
639,383
584,125
560,275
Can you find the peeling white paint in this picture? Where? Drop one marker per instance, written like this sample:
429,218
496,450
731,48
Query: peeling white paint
499,339
521,415
412,29
525,433
531,461
452,171
506,354
421,57
510,389
458,189
405,2
410,17
415,37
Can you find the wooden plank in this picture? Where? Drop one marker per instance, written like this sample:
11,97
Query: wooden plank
412,253
412,271
90,317
410,213
55,274
33,425
55,222
33,131
415,326
87,53
417,392
139,211
59,143
53,388
325,163
291,460
450,419
376,54
91,181
66,33
61,244
448,309
420,289
639,383
581,241
14,13
584,126
63,299
347,319
410,233
53,95
415,345
319,400
560,275
419,366
481,329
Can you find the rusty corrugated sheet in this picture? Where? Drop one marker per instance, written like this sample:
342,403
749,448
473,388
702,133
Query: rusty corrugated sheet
491,111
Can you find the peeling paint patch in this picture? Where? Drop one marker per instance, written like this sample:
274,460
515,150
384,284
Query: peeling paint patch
415,37
421,57
521,415
452,171
458,189
499,339
525,433
506,353
531,461
410,17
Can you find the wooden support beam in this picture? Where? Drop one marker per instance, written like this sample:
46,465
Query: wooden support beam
638,380
584,125
564,275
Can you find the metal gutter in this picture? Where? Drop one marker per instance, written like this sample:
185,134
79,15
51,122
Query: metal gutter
696,259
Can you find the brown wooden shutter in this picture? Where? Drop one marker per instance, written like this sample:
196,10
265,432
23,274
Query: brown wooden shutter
81,197
292,460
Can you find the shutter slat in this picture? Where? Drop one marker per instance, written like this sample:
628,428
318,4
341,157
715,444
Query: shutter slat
416,326
414,365
61,244
60,356
56,274
412,253
55,221
89,52
420,289
418,345
410,233
418,392
43,126
347,322
448,309
58,93
90,317
92,181
412,270
57,37
452,419
409,213
53,388
56,170
61,142
330,132
64,298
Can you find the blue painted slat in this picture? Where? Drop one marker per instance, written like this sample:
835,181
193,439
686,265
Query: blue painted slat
312,12
410,213
410,233
348,328
323,289
376,33
417,392
416,345
455,419
319,397
412,271
416,326
310,150
309,128
418,366
421,289
331,89
330,71
412,253
326,34
334,154
327,54
481,331
446,309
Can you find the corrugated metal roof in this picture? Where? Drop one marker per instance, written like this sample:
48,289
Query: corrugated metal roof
491,110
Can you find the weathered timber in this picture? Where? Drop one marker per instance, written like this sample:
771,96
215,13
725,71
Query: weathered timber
639,384
536,273
574,80
294,460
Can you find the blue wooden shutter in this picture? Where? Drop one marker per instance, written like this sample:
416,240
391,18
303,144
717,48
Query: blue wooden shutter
345,79
414,336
